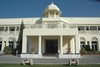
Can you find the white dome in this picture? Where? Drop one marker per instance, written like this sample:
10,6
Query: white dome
52,6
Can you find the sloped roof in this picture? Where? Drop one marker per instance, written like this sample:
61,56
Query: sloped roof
69,20
82,20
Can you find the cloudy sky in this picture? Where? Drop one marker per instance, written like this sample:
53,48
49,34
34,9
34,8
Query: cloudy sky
35,8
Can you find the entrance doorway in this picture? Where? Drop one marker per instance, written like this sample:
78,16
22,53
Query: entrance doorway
0,45
51,47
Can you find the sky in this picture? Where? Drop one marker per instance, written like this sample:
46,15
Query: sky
35,8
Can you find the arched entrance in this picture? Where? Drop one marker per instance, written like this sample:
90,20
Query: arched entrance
94,44
12,43
51,46
0,44
82,42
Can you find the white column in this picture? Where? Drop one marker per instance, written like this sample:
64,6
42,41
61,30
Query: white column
99,43
90,44
61,45
72,44
8,30
24,44
15,30
15,44
77,39
3,46
39,45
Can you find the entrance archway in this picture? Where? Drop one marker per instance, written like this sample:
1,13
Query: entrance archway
94,44
51,46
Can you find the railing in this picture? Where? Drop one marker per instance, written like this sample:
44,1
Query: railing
47,26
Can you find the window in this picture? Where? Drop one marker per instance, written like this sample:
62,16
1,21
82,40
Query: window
0,45
11,44
93,27
1,28
12,28
81,28
82,44
99,28
94,45
87,27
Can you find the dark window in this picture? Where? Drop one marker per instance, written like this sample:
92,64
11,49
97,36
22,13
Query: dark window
99,28
82,44
1,28
87,27
0,45
94,45
11,44
81,28
12,28
93,27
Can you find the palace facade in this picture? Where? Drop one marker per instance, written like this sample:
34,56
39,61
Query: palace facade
51,34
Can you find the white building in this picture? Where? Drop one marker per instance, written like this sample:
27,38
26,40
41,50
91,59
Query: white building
51,35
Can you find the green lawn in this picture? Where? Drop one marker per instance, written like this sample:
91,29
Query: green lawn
48,65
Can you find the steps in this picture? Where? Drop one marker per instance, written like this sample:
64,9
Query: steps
50,61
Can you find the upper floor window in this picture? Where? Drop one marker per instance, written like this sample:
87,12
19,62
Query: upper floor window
87,27
93,27
98,27
12,28
81,28
1,28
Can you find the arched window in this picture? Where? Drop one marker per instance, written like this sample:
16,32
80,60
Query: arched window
0,44
94,44
11,43
82,42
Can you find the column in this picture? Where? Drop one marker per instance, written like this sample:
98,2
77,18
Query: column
61,45
24,44
77,44
99,43
15,30
8,30
3,46
15,44
90,44
39,45
72,44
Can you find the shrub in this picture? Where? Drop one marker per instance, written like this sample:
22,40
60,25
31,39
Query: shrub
7,50
83,51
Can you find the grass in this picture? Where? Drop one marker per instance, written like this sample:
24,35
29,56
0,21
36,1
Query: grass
48,65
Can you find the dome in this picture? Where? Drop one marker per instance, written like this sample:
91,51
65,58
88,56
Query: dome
52,11
52,6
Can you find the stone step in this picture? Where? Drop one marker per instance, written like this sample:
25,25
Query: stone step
50,61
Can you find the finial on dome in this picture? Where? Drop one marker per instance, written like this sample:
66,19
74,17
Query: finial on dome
52,10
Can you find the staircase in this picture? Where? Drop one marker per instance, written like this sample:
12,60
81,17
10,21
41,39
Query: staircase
50,61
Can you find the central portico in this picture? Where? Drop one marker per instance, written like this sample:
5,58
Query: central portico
50,36
39,46
50,45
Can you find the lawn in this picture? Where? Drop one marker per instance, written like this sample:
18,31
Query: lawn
48,65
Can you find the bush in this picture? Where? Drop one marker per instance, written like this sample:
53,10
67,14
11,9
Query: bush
7,50
83,51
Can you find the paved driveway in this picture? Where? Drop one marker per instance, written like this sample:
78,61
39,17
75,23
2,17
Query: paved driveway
9,59
90,60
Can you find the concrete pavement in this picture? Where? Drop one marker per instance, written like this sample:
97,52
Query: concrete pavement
9,59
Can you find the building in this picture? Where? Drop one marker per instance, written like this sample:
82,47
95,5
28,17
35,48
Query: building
51,34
